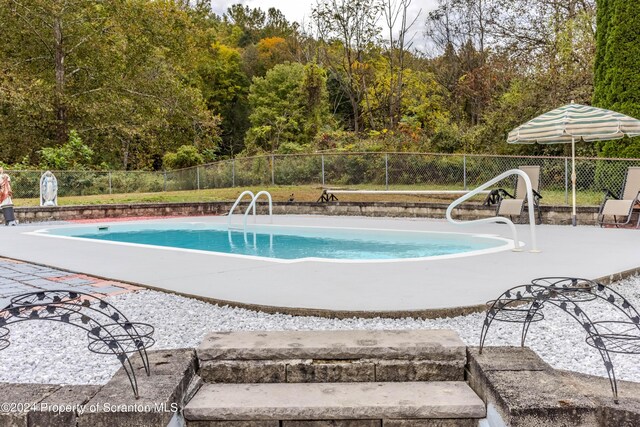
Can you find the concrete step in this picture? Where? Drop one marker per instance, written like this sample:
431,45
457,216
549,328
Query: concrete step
451,403
331,356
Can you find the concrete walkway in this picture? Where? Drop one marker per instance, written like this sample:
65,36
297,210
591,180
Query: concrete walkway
395,288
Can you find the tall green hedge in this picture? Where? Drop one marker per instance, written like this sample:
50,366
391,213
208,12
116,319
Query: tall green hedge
617,67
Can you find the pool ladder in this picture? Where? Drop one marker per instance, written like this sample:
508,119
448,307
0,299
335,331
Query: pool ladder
251,207
514,232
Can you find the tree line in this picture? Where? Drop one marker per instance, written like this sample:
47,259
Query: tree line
142,84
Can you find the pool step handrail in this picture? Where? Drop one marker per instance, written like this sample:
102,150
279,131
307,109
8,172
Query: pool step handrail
253,205
532,222
238,200
250,208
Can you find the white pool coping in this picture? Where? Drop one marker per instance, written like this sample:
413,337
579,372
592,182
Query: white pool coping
416,285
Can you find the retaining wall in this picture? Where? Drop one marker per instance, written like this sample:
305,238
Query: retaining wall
587,215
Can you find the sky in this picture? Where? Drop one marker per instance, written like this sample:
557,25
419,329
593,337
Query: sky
300,11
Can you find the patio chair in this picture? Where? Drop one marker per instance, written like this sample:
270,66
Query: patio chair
514,205
622,206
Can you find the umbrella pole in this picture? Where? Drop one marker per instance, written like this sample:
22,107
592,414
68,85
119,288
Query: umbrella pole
574,221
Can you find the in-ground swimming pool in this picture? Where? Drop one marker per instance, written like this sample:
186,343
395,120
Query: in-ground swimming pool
286,243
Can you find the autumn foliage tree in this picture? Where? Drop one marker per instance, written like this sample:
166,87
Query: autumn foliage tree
137,79
117,72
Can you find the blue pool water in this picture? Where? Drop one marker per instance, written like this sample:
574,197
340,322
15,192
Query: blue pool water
291,243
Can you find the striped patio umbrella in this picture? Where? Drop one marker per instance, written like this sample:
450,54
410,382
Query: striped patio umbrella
571,123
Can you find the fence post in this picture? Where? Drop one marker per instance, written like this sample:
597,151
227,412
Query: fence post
273,170
566,180
233,172
110,188
164,188
386,171
322,157
198,177
464,171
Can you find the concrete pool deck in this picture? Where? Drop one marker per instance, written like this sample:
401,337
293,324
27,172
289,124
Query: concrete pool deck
424,288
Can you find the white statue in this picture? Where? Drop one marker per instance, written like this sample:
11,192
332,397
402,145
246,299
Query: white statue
48,189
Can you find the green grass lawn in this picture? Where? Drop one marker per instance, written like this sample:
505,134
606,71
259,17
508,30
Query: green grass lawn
308,193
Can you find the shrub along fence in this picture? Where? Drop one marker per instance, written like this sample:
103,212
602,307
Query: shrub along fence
352,170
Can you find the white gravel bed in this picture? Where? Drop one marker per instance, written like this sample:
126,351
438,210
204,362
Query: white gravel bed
57,353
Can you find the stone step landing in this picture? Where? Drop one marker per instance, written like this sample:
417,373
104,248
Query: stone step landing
440,403
331,356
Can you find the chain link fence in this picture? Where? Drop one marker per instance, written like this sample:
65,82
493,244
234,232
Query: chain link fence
26,183
379,171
